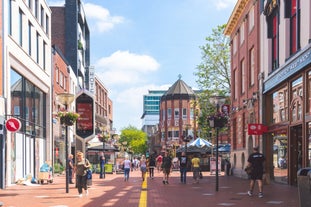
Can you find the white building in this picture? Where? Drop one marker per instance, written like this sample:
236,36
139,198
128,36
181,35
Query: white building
26,87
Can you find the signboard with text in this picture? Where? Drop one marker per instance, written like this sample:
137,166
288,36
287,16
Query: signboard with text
256,129
86,121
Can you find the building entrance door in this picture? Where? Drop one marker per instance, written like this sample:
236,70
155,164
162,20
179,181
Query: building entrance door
295,153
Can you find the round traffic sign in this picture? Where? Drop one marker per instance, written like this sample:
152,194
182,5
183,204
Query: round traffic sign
13,124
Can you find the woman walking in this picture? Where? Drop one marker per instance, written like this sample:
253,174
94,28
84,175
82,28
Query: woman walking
143,167
127,167
81,167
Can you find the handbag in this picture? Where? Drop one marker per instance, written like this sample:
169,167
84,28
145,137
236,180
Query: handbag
248,170
88,174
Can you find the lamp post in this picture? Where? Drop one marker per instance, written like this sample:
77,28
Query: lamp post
103,136
218,101
66,99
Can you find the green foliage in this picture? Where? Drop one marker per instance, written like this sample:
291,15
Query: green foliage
135,138
213,75
58,168
214,71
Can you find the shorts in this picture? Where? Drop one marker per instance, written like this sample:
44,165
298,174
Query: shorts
143,169
166,170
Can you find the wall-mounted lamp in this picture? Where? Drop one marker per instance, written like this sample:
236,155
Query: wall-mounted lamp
251,100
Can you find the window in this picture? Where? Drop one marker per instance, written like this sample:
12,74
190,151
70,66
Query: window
44,55
275,59
20,27
235,85
243,76
294,26
234,44
47,24
251,19
36,8
30,5
10,17
176,113
57,74
242,33
252,66
272,16
169,113
42,16
37,47
184,113
61,79
29,38
280,105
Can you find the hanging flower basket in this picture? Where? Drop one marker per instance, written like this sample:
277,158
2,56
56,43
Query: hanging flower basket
67,118
218,120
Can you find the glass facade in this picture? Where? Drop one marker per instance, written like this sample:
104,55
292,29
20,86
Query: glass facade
28,145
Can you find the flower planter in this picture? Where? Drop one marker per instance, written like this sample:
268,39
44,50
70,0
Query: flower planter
68,121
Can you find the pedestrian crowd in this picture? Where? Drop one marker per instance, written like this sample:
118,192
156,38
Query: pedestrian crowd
164,163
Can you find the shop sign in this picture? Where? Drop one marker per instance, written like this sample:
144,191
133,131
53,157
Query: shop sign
256,129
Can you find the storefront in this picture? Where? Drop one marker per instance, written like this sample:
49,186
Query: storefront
288,115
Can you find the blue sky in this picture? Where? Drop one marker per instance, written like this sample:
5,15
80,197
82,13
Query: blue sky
138,45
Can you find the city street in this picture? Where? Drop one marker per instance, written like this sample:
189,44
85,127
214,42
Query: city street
114,191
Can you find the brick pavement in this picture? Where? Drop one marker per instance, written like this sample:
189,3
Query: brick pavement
113,191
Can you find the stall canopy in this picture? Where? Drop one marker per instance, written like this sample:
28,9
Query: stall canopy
199,145
199,142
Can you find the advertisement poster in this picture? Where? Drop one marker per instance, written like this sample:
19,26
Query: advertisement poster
213,165
85,121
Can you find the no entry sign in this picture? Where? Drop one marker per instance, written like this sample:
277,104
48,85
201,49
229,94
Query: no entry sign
13,125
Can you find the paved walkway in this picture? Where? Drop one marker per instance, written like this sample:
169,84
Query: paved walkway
113,191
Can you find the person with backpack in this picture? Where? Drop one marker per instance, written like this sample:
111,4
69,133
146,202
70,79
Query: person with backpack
166,167
182,162
151,165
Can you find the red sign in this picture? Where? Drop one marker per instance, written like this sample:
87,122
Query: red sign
256,129
13,125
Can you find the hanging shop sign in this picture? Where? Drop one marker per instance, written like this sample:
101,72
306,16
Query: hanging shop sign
13,125
257,129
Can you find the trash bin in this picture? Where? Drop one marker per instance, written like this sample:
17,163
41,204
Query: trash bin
304,187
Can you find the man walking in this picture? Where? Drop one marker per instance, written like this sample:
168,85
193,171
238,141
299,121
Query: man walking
256,162
166,167
183,167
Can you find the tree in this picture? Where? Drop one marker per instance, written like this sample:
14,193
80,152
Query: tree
213,75
135,139
214,71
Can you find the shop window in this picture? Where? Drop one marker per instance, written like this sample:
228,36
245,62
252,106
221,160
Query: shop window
296,102
280,105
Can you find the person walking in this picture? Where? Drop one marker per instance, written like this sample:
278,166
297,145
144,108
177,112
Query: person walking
127,167
143,167
151,165
182,162
102,166
195,163
159,162
166,167
82,166
256,163
71,168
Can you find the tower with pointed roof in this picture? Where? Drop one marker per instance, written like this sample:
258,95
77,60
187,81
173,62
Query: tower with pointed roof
177,114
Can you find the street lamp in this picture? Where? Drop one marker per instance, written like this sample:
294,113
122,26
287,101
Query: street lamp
217,101
66,99
103,136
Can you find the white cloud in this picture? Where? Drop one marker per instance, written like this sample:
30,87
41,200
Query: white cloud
128,105
123,67
100,18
